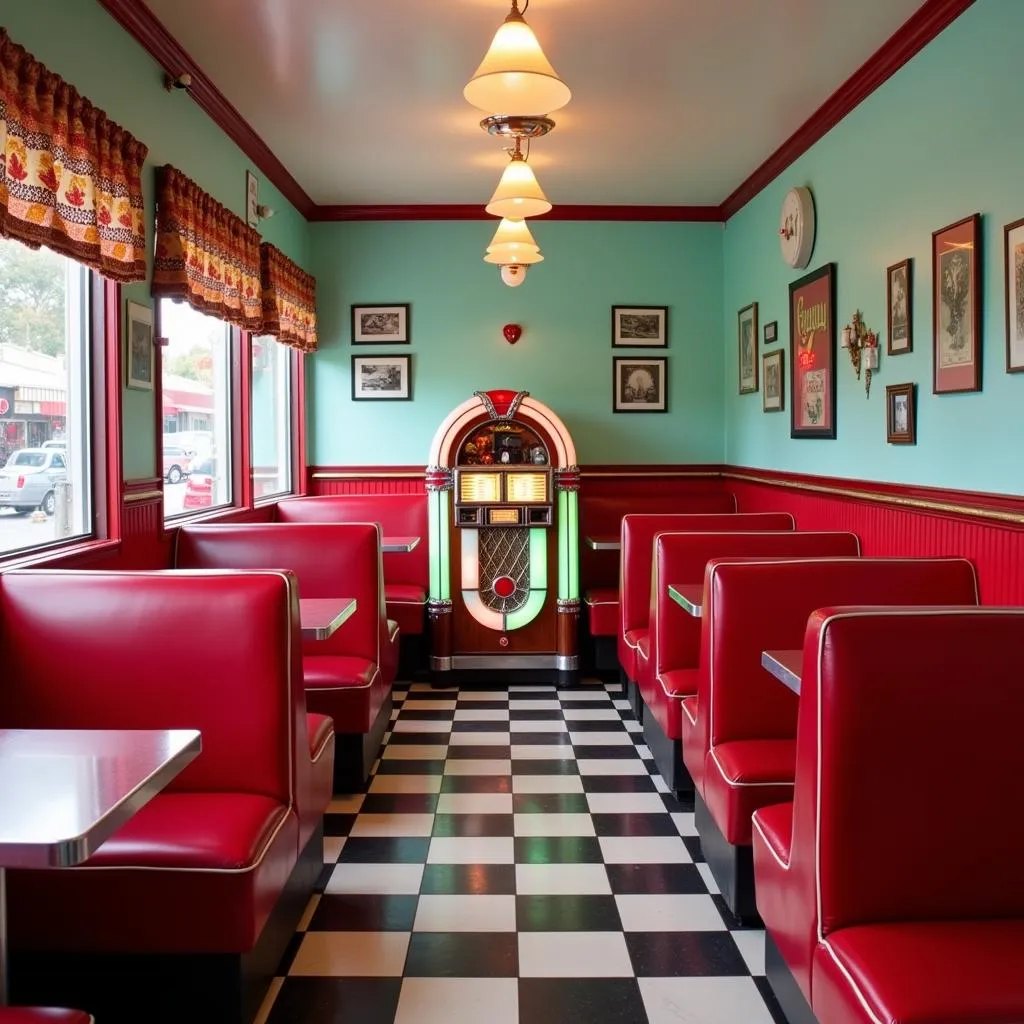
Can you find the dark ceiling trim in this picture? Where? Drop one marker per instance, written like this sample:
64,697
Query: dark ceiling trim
441,211
912,37
142,24
920,29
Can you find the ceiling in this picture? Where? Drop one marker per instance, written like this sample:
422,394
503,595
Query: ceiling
675,102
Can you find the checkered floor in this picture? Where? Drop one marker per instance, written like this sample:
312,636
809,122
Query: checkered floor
515,858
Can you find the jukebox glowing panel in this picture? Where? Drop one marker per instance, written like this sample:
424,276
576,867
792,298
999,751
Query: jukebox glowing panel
504,580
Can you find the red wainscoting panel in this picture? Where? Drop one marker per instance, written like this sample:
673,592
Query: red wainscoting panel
367,480
142,526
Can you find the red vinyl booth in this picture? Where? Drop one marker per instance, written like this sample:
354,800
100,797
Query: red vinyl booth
348,676
745,729
871,915
194,900
637,533
672,645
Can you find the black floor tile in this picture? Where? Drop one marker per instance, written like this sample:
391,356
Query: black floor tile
323,878
497,725
618,784
678,804
638,879
401,766
473,825
567,914
338,824
481,752
359,913
399,803
677,954
580,1001
693,847
531,715
536,766
469,879
557,850
550,803
543,739
462,955
477,784
483,705
604,751
435,739
328,1000
634,825
778,1017
384,850
601,725
415,715
289,954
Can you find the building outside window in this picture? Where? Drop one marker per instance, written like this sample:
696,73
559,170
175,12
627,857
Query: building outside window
45,466
196,410
271,418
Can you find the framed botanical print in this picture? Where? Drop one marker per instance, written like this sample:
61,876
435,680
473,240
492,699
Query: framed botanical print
899,335
746,338
1014,271
956,306
773,382
639,385
812,354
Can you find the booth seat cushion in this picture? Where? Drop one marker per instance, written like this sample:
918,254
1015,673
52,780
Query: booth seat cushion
603,608
207,869
349,690
320,729
690,735
741,776
921,972
666,699
42,1015
406,605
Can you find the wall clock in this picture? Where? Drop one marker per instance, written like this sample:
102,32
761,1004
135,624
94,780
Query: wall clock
796,227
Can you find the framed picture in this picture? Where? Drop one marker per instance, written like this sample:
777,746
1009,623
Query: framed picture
900,414
956,306
899,333
380,325
812,354
1014,270
773,386
639,326
771,332
639,385
252,199
139,345
381,378
747,340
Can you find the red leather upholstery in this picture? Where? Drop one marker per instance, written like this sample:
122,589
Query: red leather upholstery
209,856
603,610
903,933
636,555
320,729
31,1015
750,754
406,573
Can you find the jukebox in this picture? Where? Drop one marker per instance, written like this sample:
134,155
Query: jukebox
502,488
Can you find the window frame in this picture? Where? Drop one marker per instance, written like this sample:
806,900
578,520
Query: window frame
296,425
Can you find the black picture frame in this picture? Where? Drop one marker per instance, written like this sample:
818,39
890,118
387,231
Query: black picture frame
381,325
899,308
900,414
628,378
639,326
771,332
812,354
374,378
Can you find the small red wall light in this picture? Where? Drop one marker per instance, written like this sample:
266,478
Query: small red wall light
512,332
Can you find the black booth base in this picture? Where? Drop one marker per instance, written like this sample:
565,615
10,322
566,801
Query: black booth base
732,866
355,752
210,988
636,702
784,987
668,756
500,679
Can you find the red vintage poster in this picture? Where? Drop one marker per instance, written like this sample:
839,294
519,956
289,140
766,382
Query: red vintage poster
812,351
956,306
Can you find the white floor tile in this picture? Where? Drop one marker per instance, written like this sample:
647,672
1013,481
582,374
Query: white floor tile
376,879
471,766
662,912
611,766
562,880
487,715
632,725
465,914
471,850
708,879
601,739
428,705
574,955
392,825
660,784
458,1001
479,739
477,695
348,804
585,714
351,955
415,752
598,694
533,704
406,784
418,725
751,947
333,845
684,822
703,1001
474,803
553,825
525,725
542,752
625,803
645,752
643,850
547,784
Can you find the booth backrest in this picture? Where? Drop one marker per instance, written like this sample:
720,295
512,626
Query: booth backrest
217,652
763,605
890,697
329,559
683,558
637,551
399,515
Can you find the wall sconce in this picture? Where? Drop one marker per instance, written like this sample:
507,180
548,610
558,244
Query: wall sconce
862,346
182,81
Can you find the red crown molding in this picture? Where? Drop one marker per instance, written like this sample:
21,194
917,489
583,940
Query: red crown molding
912,37
442,211
142,24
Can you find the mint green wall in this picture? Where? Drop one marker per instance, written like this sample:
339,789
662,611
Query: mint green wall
79,41
942,139
564,358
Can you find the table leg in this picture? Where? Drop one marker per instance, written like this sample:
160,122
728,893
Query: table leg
3,938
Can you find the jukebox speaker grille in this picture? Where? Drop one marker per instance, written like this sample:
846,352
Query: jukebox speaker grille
505,556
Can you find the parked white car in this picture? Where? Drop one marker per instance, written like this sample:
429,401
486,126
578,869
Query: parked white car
28,479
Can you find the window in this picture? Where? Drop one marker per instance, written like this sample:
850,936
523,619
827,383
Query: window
271,417
196,410
45,478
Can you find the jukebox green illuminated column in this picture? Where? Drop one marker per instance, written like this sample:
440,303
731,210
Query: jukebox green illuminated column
504,578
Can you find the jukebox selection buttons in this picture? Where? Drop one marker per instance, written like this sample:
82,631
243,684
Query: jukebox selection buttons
504,587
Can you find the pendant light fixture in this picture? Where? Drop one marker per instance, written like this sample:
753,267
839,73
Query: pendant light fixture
518,194
514,75
514,250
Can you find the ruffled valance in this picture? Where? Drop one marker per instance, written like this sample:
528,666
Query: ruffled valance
289,300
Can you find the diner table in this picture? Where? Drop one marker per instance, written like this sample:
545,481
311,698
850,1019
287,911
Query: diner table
395,544
603,542
689,595
786,666
66,791
323,616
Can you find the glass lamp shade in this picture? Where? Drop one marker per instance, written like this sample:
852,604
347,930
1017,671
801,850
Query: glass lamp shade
518,194
514,274
505,255
513,232
515,77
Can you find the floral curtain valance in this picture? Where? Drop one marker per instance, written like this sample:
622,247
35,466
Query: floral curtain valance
70,178
289,300
205,254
